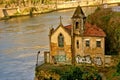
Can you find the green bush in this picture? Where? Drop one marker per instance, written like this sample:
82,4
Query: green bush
109,21
118,67
74,74
77,73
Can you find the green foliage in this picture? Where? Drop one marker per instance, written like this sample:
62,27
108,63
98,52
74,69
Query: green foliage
67,72
76,73
87,76
118,67
73,74
109,21
105,18
57,71
98,8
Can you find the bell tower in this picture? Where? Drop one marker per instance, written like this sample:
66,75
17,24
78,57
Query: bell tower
78,20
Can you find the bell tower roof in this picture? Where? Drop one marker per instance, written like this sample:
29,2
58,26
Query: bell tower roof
78,13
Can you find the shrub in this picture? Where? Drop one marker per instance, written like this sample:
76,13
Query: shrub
74,74
109,21
118,67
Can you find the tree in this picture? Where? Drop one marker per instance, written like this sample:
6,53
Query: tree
74,74
118,67
109,21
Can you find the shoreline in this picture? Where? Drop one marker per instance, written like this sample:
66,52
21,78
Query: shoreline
33,14
31,11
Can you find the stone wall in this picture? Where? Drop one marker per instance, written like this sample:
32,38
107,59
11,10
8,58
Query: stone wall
93,54
55,50
61,54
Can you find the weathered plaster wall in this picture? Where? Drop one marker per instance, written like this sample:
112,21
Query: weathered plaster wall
67,44
67,38
93,51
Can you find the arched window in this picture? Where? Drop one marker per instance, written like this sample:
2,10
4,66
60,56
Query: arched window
61,40
76,25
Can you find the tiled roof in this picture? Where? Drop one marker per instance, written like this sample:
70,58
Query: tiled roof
93,30
90,30
68,28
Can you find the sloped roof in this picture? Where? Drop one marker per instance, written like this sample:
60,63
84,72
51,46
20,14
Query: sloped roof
68,28
78,13
90,30
93,30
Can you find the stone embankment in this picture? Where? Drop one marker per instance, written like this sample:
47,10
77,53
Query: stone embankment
33,10
6,13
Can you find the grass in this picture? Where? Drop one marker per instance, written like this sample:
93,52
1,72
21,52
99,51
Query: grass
60,70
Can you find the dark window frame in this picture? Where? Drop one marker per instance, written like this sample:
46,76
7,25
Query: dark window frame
76,25
87,43
98,43
61,40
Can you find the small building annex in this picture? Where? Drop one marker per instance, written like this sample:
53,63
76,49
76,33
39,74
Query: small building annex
80,42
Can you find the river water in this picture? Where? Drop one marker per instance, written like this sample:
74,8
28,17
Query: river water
20,40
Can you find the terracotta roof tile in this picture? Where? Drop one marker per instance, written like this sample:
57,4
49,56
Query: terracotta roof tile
90,30
93,30
68,28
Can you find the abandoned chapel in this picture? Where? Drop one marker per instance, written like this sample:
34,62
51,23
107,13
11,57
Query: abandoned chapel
80,42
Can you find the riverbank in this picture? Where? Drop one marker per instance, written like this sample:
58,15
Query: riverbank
11,12
8,13
33,13
57,72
